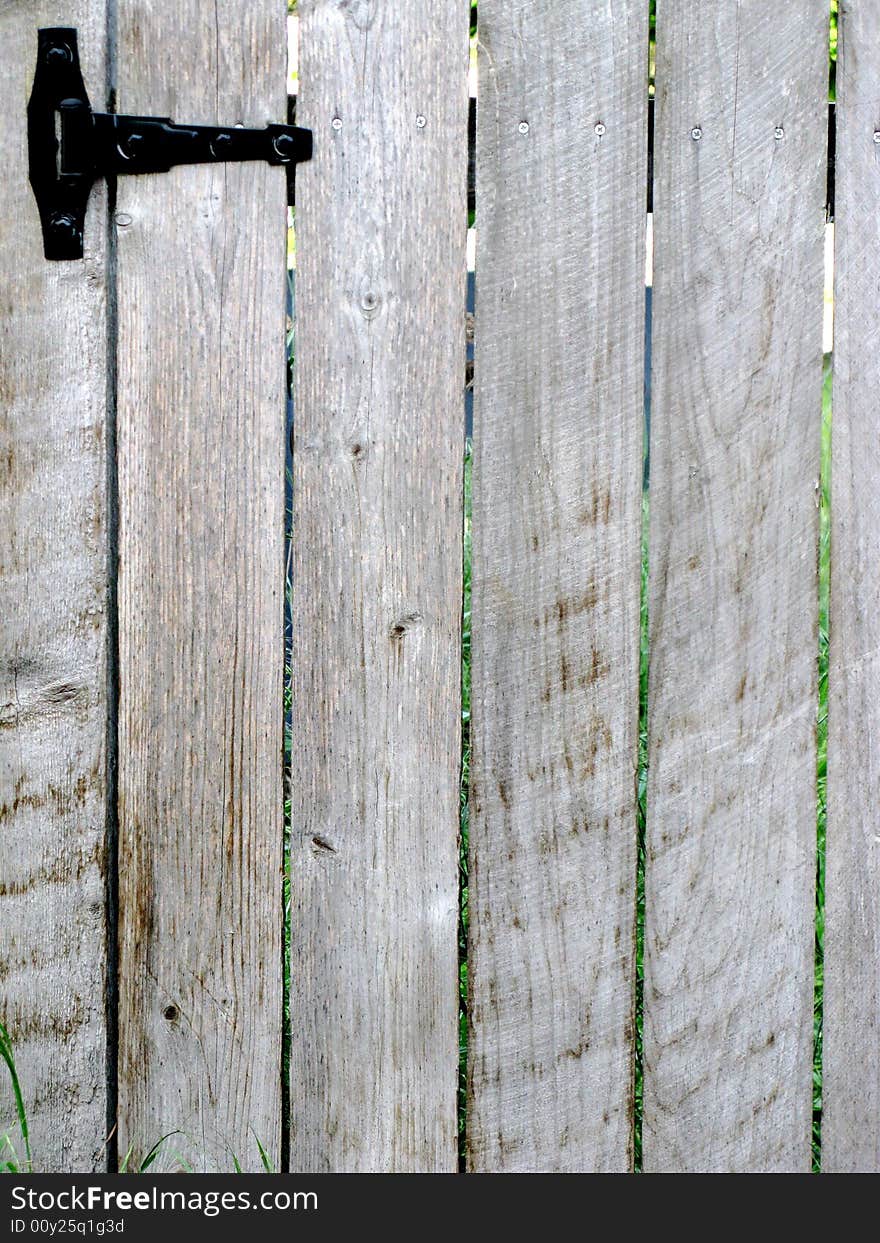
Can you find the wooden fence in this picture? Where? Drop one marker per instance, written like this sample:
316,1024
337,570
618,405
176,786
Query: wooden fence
142,696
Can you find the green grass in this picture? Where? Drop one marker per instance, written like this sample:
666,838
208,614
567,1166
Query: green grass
127,1166
641,811
822,740
833,52
10,1161
463,806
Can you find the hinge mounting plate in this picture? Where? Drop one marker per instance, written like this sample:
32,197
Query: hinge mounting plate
70,146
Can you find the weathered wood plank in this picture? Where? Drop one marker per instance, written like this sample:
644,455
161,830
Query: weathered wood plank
851,1088
201,461
731,838
557,505
53,634
381,245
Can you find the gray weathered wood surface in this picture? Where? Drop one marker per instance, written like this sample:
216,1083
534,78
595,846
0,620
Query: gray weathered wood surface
731,841
851,1087
557,520
381,220
53,629
201,461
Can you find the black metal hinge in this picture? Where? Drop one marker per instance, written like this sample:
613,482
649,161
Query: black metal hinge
70,146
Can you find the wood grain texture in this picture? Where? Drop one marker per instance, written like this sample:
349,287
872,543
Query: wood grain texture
380,356
53,634
201,481
556,529
731,835
851,1080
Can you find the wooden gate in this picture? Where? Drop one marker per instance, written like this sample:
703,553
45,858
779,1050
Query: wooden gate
275,950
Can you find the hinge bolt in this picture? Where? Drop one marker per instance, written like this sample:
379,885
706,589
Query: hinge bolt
61,222
284,145
57,54
133,143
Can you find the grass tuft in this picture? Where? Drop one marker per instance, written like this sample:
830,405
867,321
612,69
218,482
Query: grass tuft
9,1160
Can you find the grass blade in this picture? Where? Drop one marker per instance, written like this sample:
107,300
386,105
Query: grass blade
7,1054
264,1156
154,1151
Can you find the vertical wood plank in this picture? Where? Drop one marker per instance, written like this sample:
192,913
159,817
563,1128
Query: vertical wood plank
731,835
53,634
380,355
556,531
201,480
851,1087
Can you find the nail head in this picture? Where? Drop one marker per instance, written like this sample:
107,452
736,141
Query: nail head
600,129
336,123
421,122
523,127
696,133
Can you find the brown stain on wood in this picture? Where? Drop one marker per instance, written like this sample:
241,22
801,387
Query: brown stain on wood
201,582
555,667
53,703
733,591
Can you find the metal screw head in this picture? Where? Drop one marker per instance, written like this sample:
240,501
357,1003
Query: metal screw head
779,133
421,121
62,223
696,133
336,123
220,146
523,127
133,146
877,135
599,129
58,54
284,145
